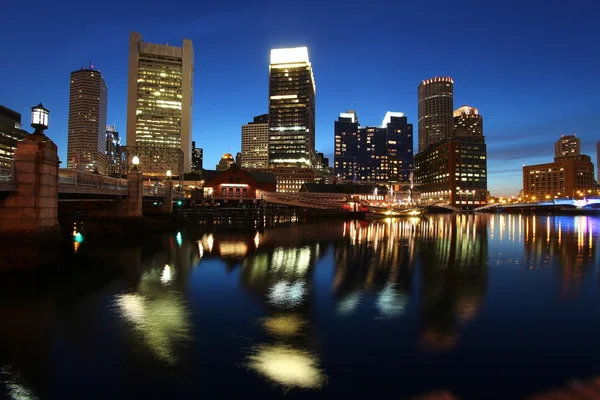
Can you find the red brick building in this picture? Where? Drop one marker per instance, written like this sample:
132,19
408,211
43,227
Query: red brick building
237,184
570,176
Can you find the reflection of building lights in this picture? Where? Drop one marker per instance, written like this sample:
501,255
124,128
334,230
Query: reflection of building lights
233,249
166,276
287,295
200,249
294,261
283,325
210,241
256,239
179,239
348,304
390,302
287,366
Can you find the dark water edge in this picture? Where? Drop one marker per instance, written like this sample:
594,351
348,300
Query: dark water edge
475,305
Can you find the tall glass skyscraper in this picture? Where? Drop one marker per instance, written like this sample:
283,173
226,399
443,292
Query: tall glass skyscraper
159,105
291,109
86,144
436,106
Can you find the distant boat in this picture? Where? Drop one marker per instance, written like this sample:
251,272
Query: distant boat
382,212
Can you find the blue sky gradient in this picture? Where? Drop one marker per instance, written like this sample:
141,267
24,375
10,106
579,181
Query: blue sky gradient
531,68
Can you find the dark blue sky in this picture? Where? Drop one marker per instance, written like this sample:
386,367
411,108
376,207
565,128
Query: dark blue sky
530,67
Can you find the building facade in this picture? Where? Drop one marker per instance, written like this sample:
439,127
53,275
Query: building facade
86,143
197,157
291,109
567,145
237,184
468,122
10,133
373,154
255,143
570,176
113,148
159,101
598,161
435,105
454,172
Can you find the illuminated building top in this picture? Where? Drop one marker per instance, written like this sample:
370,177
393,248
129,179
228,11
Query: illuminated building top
350,114
438,79
290,55
388,117
466,110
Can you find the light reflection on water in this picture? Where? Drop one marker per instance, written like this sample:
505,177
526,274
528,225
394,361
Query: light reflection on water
452,297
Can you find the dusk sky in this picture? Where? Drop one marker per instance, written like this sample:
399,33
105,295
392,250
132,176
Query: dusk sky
530,68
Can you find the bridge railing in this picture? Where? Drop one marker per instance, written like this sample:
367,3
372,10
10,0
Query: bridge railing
86,179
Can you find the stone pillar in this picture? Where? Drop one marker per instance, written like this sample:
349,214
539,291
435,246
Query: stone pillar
33,207
167,205
135,194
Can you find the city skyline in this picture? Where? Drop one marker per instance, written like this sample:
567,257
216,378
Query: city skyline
517,96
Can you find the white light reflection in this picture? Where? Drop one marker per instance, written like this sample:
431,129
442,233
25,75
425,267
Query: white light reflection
287,295
200,249
296,261
390,302
15,389
166,275
348,304
287,366
257,240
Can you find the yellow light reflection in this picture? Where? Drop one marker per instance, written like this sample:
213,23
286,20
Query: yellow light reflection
284,325
233,249
287,366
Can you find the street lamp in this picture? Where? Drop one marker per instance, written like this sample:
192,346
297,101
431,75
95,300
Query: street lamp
39,119
169,174
135,161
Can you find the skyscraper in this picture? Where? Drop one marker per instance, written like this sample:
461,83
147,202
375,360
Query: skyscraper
567,145
467,122
291,109
10,133
86,145
159,105
373,153
113,147
598,161
197,157
255,143
436,105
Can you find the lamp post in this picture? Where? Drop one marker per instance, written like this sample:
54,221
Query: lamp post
169,175
135,160
39,120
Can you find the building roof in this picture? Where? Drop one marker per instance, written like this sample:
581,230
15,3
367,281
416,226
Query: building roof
263,177
227,156
343,188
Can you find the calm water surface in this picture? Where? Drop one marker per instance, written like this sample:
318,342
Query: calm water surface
486,306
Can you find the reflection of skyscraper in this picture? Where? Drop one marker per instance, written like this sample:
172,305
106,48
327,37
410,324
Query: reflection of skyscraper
375,258
453,260
562,243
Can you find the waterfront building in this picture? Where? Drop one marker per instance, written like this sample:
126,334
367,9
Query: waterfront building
454,172
291,109
567,145
86,142
159,105
435,107
373,153
197,157
237,184
568,176
598,161
255,143
10,133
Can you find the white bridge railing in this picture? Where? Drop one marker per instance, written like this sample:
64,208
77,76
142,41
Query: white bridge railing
88,180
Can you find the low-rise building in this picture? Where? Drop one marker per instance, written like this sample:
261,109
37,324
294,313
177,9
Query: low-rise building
570,176
235,184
